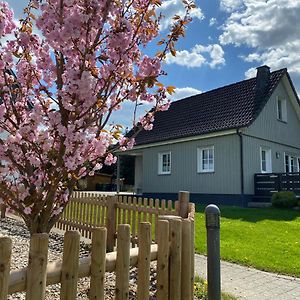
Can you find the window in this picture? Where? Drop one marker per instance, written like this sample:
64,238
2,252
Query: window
164,163
205,160
265,160
281,110
291,163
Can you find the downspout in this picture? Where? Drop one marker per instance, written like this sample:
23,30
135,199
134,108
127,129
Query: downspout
239,133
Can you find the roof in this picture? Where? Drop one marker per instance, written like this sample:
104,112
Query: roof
230,107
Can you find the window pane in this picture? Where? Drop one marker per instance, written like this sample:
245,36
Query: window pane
279,109
287,164
205,154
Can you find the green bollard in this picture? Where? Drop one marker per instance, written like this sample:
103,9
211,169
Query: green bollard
212,220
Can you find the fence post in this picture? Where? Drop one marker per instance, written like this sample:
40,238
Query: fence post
163,260
37,267
175,259
186,255
212,218
183,205
3,210
5,254
69,271
123,262
111,223
192,256
98,261
144,261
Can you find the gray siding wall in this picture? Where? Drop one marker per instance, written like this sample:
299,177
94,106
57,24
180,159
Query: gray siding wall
138,173
267,131
184,176
252,159
268,127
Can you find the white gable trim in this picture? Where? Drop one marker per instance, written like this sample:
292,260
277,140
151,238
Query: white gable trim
291,95
186,139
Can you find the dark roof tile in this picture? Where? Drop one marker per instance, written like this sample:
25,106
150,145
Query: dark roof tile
229,107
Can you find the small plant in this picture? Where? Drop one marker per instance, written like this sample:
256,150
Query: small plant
200,290
284,199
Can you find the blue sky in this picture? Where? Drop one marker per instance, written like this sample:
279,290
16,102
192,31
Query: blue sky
226,41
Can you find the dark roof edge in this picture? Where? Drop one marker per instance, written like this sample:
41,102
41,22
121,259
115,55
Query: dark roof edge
192,135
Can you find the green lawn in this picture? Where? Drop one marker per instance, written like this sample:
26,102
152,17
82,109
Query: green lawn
265,238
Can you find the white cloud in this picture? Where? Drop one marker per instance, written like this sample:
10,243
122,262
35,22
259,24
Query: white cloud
169,8
181,93
271,28
230,5
250,73
212,21
211,55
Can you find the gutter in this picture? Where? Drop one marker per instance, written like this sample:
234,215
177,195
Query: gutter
239,133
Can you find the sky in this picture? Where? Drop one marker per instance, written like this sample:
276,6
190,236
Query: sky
225,42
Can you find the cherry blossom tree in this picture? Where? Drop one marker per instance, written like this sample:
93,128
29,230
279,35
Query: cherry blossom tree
65,68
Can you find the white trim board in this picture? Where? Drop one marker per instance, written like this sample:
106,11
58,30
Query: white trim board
186,139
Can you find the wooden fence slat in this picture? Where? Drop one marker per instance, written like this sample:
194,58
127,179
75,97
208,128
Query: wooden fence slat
133,225
124,211
144,261
119,213
37,266
186,254
151,206
162,260
156,217
129,209
170,205
98,260
111,223
145,204
69,272
5,255
140,203
175,259
123,262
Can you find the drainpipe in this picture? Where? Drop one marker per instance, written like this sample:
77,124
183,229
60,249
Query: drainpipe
239,133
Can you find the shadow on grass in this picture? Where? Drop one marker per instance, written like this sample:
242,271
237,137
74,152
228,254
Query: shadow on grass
255,214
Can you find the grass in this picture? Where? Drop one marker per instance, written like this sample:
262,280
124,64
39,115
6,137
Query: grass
266,238
200,290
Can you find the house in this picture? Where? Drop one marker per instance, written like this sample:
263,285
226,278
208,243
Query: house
213,144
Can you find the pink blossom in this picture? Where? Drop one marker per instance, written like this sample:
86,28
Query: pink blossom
110,159
27,210
86,62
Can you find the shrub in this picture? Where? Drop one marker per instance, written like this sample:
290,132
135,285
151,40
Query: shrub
284,199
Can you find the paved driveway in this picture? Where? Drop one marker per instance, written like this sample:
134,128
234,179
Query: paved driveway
251,284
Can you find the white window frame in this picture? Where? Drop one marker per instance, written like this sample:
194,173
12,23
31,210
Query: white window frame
161,170
268,160
200,165
290,158
282,113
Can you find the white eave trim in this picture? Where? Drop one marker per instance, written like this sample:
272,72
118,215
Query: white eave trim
186,139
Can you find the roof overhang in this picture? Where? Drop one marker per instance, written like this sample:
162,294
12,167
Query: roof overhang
180,140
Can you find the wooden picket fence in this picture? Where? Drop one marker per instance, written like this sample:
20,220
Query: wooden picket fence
174,253
86,211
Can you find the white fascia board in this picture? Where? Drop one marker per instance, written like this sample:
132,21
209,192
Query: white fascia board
292,95
186,139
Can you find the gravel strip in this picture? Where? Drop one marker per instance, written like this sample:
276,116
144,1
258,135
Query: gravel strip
20,239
